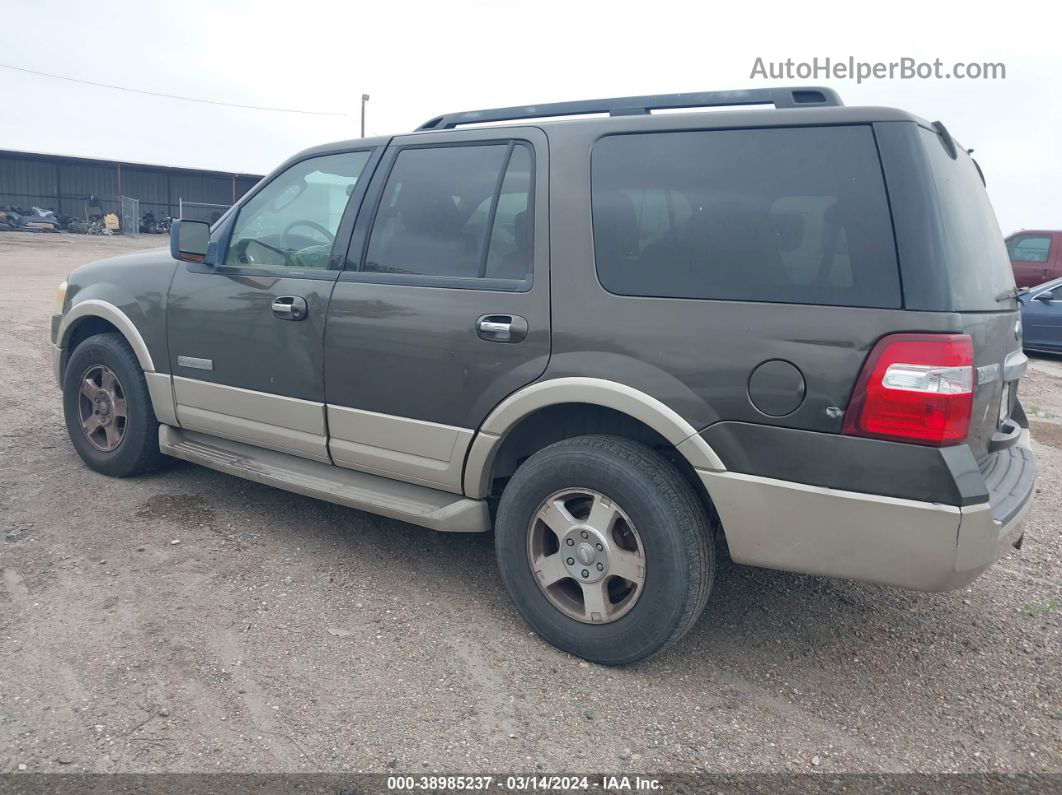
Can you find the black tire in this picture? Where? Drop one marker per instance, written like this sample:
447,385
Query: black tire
138,451
672,524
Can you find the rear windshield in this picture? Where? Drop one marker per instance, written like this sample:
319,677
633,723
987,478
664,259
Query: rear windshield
791,215
976,257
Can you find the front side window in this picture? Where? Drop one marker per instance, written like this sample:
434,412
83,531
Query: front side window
1029,248
455,211
292,221
780,215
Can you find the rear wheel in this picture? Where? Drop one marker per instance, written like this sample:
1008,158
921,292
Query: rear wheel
108,409
605,548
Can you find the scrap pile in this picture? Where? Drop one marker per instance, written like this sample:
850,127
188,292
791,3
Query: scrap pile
35,220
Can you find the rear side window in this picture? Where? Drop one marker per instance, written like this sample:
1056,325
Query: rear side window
455,211
780,215
1030,248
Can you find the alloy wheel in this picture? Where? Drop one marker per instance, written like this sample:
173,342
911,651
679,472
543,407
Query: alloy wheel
102,408
586,555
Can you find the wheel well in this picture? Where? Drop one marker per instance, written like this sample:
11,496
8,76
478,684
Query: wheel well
88,327
83,329
552,424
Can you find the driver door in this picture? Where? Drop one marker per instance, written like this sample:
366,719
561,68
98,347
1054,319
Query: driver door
245,336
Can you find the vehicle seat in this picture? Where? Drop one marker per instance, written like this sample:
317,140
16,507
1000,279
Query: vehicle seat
423,235
737,239
617,243
517,264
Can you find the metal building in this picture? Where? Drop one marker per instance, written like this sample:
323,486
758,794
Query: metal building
63,184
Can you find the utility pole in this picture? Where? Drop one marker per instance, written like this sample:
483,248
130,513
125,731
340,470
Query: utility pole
364,99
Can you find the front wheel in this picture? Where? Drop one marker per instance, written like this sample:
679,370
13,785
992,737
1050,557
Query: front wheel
108,410
605,548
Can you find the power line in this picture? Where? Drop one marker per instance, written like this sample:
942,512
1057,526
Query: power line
170,96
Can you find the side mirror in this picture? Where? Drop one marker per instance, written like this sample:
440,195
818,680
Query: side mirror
189,240
1046,296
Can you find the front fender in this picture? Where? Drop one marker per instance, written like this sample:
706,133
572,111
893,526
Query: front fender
92,307
129,292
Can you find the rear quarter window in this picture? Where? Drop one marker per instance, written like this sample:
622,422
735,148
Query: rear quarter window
792,215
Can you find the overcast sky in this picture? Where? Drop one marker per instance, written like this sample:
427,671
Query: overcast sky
420,59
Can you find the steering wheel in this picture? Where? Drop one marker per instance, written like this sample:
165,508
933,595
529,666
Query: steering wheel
315,226
246,259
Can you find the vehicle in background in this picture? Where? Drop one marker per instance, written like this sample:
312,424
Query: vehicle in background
1041,317
1035,256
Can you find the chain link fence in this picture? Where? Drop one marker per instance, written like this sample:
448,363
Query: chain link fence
130,216
124,208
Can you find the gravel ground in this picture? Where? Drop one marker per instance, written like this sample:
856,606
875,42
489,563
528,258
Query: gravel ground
191,621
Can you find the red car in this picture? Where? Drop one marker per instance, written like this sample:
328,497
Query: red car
1035,256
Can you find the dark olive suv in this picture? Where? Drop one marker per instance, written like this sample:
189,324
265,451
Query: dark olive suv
624,342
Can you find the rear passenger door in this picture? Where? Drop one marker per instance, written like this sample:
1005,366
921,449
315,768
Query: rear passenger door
443,307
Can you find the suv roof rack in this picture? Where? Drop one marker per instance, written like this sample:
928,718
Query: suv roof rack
799,97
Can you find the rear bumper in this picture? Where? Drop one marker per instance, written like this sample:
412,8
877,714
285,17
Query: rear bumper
925,546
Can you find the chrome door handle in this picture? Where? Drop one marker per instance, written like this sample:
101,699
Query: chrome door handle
501,328
289,307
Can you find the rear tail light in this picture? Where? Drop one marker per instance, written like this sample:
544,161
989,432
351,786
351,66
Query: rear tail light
915,388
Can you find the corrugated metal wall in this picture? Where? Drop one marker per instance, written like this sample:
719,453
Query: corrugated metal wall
244,184
76,181
62,184
192,188
152,188
27,182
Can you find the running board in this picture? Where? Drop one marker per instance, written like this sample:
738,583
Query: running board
407,502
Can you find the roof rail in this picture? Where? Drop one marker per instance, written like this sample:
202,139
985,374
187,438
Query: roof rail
811,97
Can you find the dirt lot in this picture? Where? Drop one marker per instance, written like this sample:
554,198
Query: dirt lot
283,634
